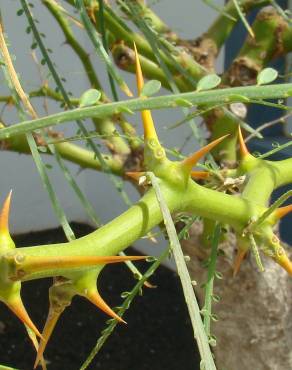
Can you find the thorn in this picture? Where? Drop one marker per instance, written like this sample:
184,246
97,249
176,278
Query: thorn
148,124
17,307
124,87
35,263
192,160
139,75
53,317
32,337
242,147
284,261
238,260
149,285
4,215
283,211
135,175
200,175
95,298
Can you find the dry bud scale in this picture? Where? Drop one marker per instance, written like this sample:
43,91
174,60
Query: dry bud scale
76,265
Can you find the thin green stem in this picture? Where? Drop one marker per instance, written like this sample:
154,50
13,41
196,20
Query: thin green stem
207,309
222,27
168,101
242,17
125,306
59,83
276,150
94,37
105,45
271,209
83,55
102,126
190,297
43,91
255,251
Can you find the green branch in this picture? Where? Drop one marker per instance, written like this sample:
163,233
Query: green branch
169,101
222,27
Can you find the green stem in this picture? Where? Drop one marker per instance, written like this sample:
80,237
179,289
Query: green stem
113,237
134,223
83,55
222,27
116,143
125,59
282,171
74,153
210,280
276,91
188,290
45,92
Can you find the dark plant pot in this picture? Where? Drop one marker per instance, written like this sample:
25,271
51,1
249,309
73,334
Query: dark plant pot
158,334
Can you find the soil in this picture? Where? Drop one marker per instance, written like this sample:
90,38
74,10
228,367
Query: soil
158,334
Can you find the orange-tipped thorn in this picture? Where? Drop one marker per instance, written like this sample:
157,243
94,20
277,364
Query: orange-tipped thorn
149,285
242,147
35,343
17,307
283,211
4,215
238,260
148,124
95,298
284,261
192,160
34,264
53,317
135,175
200,175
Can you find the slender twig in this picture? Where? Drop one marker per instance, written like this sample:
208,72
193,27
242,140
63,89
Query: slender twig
126,304
207,309
190,297
17,91
276,150
117,183
267,125
270,210
276,91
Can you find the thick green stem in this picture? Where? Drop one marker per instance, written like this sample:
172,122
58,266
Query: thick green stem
219,206
114,236
272,39
222,27
270,31
255,190
142,217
